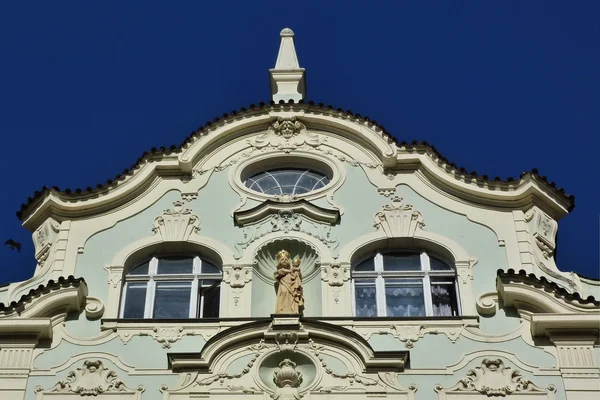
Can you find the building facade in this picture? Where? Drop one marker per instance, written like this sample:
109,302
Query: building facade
293,250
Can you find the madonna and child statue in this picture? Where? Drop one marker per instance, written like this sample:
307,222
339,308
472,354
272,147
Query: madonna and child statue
288,284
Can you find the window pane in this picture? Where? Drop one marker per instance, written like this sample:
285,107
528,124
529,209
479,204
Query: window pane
135,300
211,291
208,268
365,299
286,181
175,265
402,262
172,300
367,265
443,297
438,265
404,298
141,269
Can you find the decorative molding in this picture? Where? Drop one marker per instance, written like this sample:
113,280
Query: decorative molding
493,379
287,379
43,239
335,274
536,233
298,207
188,197
487,303
94,308
223,166
176,224
286,221
91,380
398,220
236,276
286,134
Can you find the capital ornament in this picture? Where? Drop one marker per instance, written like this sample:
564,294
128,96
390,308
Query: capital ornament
398,219
176,224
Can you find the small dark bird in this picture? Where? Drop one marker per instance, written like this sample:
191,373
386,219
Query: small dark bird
13,245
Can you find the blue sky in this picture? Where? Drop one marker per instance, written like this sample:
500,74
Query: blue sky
497,87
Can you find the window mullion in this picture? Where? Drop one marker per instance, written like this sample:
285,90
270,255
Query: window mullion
427,295
123,299
197,265
153,266
194,299
379,285
150,292
201,313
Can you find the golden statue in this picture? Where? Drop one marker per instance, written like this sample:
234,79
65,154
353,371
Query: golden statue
290,299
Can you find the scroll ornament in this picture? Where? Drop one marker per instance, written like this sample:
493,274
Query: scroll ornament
91,380
494,379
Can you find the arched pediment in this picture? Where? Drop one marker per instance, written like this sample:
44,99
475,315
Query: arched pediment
238,132
317,357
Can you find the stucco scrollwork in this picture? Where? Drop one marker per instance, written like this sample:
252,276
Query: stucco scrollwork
176,224
286,134
335,274
287,378
493,379
43,239
286,221
94,308
92,379
237,276
398,219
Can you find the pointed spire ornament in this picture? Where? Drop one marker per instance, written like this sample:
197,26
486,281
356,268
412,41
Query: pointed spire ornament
287,78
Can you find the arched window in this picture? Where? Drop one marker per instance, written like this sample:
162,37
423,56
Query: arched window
404,284
172,287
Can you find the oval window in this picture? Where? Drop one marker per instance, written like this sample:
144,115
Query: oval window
290,181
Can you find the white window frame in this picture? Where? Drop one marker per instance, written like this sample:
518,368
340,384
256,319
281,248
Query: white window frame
196,309
424,274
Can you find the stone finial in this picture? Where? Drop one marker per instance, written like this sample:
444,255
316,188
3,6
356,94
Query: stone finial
287,78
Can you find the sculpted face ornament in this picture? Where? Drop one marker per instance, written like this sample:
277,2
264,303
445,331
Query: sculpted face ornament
290,297
287,127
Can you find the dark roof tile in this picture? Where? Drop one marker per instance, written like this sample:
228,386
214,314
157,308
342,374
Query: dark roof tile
523,276
61,282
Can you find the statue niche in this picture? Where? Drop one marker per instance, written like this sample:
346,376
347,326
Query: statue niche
288,284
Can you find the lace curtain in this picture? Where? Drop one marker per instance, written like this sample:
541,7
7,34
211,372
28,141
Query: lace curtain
441,297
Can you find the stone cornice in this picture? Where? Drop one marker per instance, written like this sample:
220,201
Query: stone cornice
394,156
568,324
19,329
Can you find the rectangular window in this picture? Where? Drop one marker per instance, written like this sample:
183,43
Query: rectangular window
135,300
365,298
443,298
210,295
175,266
404,298
172,300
